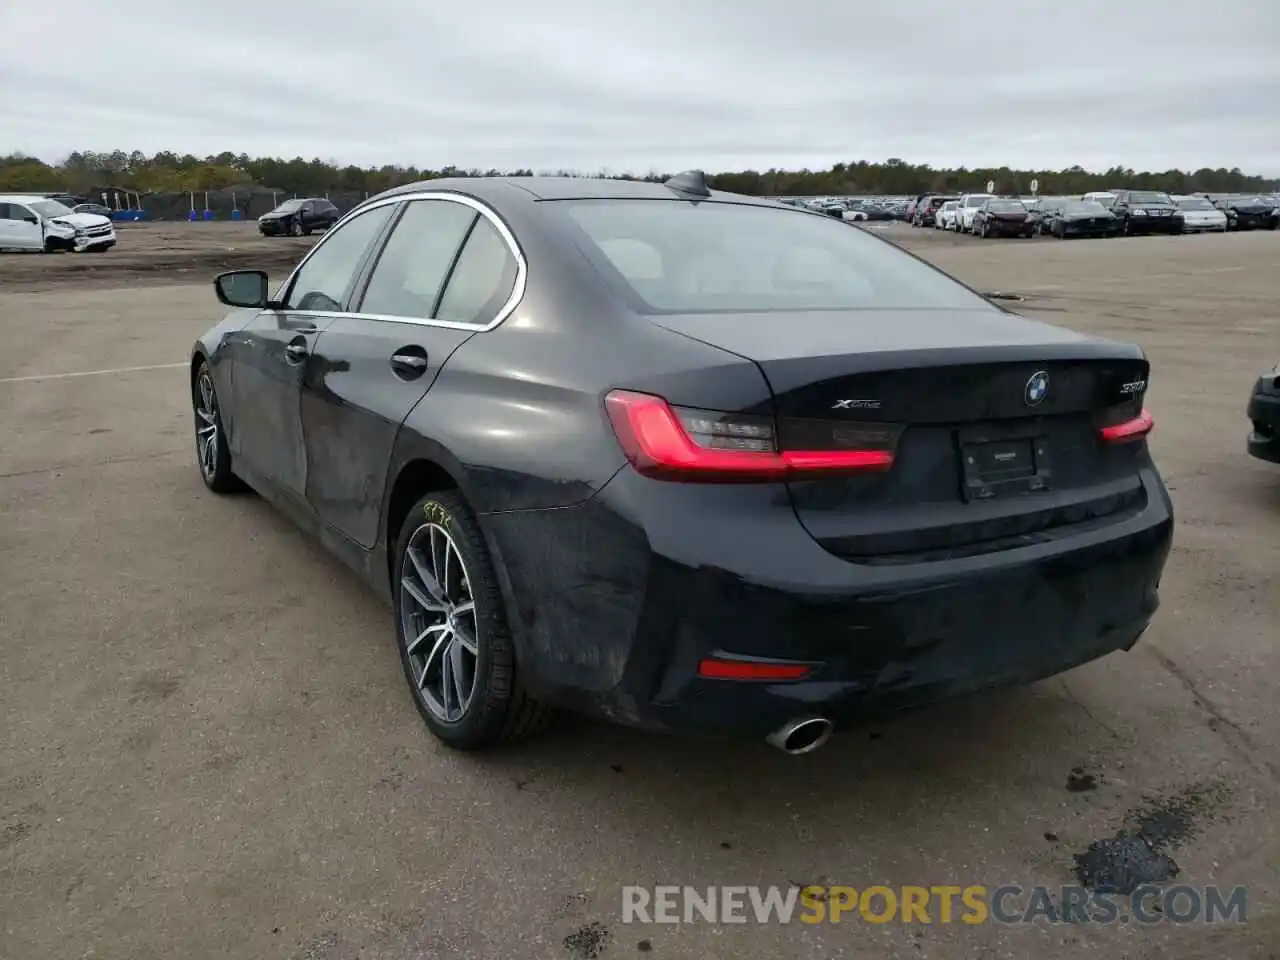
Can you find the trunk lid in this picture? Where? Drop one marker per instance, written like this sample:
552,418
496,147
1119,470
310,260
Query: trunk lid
996,419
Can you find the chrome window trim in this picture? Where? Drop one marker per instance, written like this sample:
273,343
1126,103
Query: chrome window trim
508,307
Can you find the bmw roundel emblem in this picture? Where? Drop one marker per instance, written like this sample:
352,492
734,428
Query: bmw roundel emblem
1037,388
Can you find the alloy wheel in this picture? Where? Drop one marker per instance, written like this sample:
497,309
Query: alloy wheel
438,617
206,403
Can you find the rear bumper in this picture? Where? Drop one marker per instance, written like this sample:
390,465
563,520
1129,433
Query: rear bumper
1264,416
616,601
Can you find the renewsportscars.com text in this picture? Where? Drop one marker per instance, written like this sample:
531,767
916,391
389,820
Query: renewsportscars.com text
973,904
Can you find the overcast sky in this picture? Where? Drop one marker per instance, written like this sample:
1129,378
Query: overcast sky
663,85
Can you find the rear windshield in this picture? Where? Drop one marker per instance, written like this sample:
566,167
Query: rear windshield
670,256
1147,196
1094,207
1195,203
1006,206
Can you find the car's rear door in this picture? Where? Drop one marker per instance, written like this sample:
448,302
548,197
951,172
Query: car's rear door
446,271
272,356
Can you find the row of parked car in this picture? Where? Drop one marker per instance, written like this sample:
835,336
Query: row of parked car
1099,214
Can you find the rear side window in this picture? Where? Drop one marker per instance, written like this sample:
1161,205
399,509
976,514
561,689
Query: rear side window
324,279
482,281
411,270
671,256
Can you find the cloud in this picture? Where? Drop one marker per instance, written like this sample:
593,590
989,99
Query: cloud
720,84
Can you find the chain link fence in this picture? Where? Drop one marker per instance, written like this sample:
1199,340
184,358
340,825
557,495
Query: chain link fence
232,203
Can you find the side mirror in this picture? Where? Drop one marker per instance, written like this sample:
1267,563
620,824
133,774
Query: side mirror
241,288
31,219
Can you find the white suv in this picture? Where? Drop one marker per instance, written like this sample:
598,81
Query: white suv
37,223
969,205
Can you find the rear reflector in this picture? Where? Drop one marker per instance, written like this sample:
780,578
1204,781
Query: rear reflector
701,445
1134,429
714,669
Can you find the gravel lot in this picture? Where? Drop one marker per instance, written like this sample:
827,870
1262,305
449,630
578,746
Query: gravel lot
206,749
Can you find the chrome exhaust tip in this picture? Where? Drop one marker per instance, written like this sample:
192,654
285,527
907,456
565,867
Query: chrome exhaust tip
803,735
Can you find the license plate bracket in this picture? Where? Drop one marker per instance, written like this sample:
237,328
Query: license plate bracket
999,464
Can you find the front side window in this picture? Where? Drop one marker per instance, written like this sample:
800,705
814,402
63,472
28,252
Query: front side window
671,256
414,264
324,279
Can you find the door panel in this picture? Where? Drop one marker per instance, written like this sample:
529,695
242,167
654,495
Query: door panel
20,234
373,368
353,402
267,375
272,355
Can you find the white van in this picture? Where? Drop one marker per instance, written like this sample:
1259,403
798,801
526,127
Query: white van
36,223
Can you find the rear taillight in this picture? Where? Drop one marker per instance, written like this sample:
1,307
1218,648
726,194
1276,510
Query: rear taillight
1129,430
677,443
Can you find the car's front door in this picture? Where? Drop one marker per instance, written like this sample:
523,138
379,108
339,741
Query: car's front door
21,228
447,270
272,355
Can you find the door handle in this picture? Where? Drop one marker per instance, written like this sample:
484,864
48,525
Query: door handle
296,352
409,363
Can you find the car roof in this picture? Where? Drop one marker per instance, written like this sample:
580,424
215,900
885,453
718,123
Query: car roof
566,188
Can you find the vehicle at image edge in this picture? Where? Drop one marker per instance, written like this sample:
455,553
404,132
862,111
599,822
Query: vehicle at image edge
1264,417
1249,213
36,223
684,459
945,218
1146,211
969,205
1001,217
1068,218
1200,215
299,217
926,209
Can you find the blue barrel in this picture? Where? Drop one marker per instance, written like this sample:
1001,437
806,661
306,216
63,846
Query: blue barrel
208,214
193,216
237,215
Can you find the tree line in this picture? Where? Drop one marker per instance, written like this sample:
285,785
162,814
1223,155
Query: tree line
167,172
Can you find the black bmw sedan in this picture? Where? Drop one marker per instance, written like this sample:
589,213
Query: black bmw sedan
684,459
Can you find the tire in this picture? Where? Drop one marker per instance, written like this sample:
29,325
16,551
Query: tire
212,455
497,709
295,228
